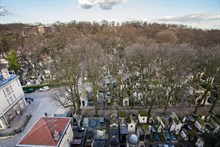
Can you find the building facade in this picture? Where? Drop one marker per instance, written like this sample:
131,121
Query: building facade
11,98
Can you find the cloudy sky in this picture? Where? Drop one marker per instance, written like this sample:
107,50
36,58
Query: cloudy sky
196,13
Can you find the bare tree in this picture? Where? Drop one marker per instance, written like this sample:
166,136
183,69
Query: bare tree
94,68
209,67
68,72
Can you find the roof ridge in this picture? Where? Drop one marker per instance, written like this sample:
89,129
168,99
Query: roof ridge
49,131
35,130
44,124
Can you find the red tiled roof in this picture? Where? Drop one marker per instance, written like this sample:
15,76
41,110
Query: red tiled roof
42,132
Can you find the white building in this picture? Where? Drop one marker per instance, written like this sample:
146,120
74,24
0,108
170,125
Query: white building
11,98
85,94
126,102
199,123
142,117
177,124
132,122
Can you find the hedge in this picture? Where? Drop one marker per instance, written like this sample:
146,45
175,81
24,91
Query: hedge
19,129
36,87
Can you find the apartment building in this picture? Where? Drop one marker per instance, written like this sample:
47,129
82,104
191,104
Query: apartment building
11,98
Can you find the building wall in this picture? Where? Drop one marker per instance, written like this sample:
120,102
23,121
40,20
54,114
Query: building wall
142,119
126,102
67,139
131,127
199,126
11,100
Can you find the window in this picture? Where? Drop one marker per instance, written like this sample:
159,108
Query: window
4,93
8,101
8,90
11,89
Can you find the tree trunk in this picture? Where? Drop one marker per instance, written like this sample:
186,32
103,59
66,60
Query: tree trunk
213,105
165,108
145,100
149,112
167,102
197,106
95,98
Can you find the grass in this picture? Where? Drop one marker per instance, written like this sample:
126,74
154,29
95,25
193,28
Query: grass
145,127
143,113
151,138
122,114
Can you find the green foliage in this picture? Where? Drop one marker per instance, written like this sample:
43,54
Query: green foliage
145,127
36,87
143,113
211,139
13,61
122,114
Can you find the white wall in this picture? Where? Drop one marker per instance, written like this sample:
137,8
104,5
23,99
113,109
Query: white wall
132,127
10,97
67,138
142,119
16,92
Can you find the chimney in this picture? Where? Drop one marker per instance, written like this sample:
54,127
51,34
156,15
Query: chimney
5,73
56,135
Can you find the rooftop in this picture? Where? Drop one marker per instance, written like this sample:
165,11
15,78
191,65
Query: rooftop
143,113
5,81
42,133
133,139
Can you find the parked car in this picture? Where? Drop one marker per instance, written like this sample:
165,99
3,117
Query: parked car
45,88
29,90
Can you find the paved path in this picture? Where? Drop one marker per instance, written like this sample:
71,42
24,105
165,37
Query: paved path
42,103
179,110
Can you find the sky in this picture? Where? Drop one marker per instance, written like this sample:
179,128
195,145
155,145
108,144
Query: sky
203,14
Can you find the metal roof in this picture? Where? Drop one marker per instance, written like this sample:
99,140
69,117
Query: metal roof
5,81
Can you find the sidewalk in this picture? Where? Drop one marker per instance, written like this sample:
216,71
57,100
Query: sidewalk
19,120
